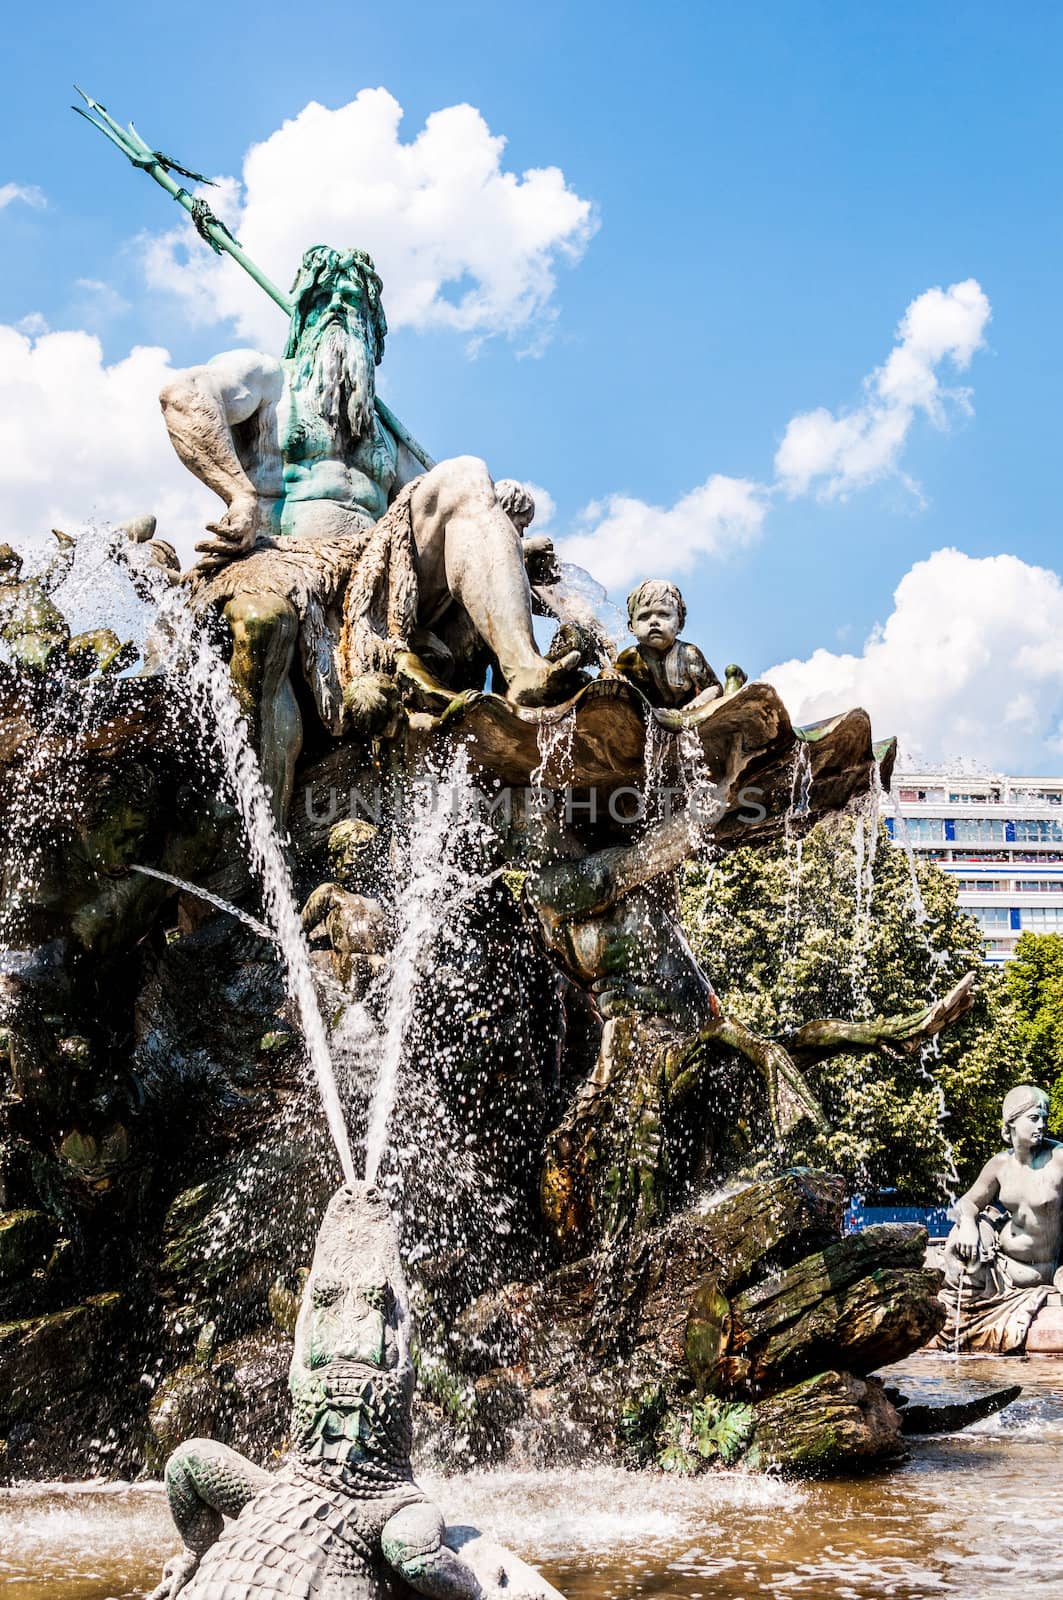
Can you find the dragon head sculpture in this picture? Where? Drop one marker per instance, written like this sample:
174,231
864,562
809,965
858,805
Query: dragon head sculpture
351,1377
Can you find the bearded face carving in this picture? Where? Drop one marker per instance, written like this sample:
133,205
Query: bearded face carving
336,341
336,380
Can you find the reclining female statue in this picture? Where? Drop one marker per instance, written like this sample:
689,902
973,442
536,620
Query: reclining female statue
1007,1232
1002,1257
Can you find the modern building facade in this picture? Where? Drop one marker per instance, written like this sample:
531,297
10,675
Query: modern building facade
1002,838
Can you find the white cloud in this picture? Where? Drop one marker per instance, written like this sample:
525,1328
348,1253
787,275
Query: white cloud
967,664
621,536
28,193
33,324
81,441
459,242
97,301
835,453
625,537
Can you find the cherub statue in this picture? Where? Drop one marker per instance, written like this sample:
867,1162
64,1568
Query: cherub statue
31,623
36,631
669,670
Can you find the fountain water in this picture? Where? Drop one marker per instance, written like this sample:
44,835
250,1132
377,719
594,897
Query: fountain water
555,739
579,599
422,1041
214,900
433,841
601,1533
922,925
205,681
793,838
865,849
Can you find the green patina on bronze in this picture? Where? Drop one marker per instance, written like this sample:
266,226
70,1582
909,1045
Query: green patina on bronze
214,232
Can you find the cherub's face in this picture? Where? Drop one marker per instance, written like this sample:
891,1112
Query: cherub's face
656,625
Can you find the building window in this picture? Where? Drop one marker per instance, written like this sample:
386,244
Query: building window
992,919
1038,830
1042,919
970,829
974,799
925,828
983,885
1040,886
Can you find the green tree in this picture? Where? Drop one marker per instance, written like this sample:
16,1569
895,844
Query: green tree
1035,993
845,924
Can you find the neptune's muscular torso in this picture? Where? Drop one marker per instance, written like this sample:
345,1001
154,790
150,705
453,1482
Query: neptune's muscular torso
307,478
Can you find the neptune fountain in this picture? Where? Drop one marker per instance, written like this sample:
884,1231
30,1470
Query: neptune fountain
223,904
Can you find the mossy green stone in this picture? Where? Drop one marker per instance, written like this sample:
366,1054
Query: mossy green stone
27,1239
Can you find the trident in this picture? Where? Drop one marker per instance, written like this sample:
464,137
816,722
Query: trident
214,232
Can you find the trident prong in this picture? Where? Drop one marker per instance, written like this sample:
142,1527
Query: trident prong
213,231
132,146
110,128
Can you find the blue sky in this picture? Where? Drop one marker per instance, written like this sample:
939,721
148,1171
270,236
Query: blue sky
769,187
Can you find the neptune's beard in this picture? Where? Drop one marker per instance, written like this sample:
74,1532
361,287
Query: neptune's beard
336,381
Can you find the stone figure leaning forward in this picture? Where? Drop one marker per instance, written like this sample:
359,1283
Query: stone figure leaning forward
333,546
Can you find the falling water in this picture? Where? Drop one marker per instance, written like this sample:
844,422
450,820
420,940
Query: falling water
865,850
209,689
794,842
435,881
578,598
921,921
214,900
902,836
555,739
25,849
656,753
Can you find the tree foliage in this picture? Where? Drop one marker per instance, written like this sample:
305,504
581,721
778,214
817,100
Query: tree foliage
1035,995
846,924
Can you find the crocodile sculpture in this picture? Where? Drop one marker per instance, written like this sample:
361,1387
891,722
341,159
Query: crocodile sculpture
342,1519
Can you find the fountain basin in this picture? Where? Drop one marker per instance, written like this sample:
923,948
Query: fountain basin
745,740
604,1534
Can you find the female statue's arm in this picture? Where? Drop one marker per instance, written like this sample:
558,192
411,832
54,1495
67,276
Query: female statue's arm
986,1188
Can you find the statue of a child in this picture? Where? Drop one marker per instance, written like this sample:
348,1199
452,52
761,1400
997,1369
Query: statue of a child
669,670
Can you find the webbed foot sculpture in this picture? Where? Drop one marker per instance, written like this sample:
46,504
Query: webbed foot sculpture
412,1543
175,1574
